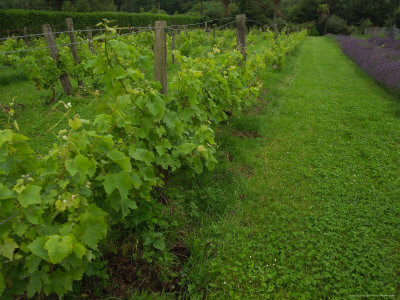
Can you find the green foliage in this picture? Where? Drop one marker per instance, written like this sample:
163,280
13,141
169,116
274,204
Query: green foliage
83,6
18,19
365,23
337,25
57,209
397,18
67,6
213,9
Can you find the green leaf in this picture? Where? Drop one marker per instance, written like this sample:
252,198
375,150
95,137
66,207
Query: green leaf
5,193
36,282
37,248
161,148
32,262
59,282
81,164
5,136
58,247
123,205
79,250
120,181
30,195
75,123
159,244
142,155
90,232
156,106
186,148
121,159
7,248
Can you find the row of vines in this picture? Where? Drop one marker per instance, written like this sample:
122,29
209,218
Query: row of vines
56,209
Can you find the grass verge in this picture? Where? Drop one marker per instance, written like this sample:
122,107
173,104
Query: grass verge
305,202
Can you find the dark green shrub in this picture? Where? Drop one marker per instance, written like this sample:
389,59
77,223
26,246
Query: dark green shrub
397,18
337,25
14,19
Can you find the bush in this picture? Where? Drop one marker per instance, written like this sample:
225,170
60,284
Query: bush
18,19
397,17
214,10
365,23
337,25
313,31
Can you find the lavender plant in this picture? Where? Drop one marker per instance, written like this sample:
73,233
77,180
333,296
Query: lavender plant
378,57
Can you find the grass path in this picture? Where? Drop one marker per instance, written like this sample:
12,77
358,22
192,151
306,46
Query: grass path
317,197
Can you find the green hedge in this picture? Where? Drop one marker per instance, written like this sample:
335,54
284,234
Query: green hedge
15,20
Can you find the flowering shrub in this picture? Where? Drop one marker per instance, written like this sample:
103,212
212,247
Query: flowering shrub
378,57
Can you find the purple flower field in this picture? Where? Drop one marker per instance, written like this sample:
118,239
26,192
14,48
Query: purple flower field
379,57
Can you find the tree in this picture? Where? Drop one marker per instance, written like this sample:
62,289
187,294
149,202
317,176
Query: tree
82,6
226,3
323,12
67,6
102,5
276,3
260,10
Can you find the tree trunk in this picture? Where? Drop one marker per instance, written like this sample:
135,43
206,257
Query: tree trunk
226,4
201,7
275,21
326,24
226,10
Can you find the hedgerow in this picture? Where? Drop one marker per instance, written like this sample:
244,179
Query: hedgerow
33,19
58,208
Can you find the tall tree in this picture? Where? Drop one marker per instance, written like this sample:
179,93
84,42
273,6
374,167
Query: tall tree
323,11
226,3
276,3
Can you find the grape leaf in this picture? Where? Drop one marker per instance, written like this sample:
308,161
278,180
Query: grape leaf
37,248
186,148
58,247
75,123
30,195
81,164
59,282
91,231
7,248
120,181
142,155
121,159
36,281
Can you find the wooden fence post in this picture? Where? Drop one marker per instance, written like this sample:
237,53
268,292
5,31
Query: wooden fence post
241,35
90,39
51,43
160,54
73,46
173,44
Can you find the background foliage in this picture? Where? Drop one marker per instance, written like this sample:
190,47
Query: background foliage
17,19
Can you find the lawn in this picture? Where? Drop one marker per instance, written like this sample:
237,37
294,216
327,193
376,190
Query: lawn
305,202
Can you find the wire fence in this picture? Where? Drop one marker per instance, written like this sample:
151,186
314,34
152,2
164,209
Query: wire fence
392,32
134,28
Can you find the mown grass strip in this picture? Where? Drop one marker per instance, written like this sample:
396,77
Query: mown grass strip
309,207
